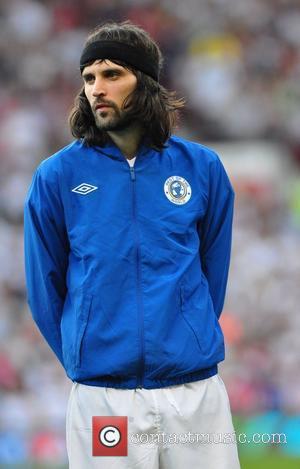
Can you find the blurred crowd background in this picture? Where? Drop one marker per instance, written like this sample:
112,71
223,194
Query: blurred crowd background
237,64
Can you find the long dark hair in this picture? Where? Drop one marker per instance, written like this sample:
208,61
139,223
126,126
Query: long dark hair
150,103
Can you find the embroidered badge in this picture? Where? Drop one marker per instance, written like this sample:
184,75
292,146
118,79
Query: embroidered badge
178,190
84,188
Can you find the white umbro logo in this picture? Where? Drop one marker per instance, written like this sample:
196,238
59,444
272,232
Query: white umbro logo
84,188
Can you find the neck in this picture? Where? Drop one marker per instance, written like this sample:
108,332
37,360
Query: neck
127,140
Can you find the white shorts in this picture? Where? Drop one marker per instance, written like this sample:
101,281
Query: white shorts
186,425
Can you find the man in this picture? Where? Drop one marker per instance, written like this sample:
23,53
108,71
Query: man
127,248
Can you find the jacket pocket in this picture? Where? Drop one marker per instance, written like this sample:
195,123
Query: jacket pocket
185,316
82,318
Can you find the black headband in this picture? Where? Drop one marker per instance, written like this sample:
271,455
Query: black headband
127,53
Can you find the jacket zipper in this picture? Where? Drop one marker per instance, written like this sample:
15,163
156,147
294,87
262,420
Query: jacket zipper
138,272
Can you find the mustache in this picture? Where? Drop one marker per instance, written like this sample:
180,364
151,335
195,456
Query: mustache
106,103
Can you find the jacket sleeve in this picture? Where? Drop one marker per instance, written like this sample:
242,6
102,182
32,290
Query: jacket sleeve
216,233
46,250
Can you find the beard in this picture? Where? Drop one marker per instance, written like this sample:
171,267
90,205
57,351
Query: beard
112,119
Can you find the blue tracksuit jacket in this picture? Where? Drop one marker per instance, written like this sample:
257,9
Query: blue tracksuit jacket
126,268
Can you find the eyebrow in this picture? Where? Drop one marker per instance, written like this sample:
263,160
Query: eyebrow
110,69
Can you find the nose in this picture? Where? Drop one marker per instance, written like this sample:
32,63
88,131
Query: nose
98,88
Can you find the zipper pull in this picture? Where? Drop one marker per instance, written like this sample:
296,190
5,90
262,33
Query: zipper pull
132,173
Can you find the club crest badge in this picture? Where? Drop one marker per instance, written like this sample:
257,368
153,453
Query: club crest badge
177,190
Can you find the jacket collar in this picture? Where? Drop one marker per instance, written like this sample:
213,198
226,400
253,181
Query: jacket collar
112,151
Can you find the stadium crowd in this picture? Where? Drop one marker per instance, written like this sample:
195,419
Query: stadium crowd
238,66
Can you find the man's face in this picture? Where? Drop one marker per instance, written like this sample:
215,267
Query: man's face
106,86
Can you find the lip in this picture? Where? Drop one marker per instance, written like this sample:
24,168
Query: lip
102,106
